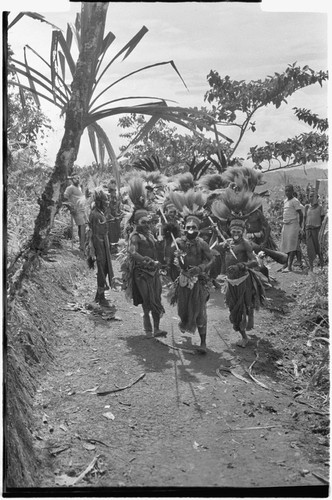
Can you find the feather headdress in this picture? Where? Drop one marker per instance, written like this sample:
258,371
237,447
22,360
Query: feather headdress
137,193
243,177
154,180
233,204
212,182
99,193
186,178
188,204
138,198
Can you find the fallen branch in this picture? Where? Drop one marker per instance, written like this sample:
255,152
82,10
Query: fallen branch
250,373
257,381
104,393
233,373
95,441
252,428
86,471
311,406
173,347
321,338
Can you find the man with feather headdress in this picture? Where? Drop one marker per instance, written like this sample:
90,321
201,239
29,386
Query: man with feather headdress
141,269
99,245
191,290
245,290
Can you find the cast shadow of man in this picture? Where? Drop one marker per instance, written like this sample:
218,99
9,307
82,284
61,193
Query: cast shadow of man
149,352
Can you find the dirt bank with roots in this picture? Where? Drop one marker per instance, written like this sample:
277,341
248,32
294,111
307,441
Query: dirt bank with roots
91,402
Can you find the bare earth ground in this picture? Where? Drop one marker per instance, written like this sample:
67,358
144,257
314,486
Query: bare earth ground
188,420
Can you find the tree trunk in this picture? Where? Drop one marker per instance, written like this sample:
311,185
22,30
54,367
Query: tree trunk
93,31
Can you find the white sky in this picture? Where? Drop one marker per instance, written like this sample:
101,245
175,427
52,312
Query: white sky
235,39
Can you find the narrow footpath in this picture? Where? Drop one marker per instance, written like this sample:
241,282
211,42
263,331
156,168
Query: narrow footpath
118,409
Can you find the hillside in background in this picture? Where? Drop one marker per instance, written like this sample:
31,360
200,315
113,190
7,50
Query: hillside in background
297,176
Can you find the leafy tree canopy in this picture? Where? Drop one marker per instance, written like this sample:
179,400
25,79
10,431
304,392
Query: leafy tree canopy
173,149
235,102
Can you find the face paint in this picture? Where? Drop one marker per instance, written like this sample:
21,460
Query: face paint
236,234
144,224
191,231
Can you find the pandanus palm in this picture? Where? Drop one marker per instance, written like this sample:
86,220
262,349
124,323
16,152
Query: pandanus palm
81,104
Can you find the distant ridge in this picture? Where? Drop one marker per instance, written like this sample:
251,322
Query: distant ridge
299,176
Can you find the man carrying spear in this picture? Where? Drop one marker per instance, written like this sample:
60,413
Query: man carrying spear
191,290
99,245
141,269
245,291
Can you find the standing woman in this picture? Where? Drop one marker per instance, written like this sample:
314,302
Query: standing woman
313,218
292,224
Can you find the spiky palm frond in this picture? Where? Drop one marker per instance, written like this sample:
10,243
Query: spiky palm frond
150,164
54,88
197,169
221,162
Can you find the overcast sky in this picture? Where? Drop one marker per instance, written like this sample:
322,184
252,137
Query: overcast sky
235,39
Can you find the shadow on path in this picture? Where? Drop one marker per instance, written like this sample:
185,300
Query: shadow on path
152,354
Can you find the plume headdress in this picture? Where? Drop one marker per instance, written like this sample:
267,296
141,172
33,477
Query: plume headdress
243,178
235,206
212,182
138,201
154,180
184,180
190,204
213,185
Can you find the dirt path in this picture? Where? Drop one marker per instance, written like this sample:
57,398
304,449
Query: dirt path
183,423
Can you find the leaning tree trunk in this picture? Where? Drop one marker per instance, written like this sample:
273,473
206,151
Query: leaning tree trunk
93,26
50,201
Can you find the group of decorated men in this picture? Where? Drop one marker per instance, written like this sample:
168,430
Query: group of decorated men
185,234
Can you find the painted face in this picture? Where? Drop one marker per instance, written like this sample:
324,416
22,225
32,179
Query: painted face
186,186
171,212
144,223
236,233
103,203
191,231
150,194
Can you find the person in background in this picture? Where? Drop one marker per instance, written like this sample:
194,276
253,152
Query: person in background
313,218
76,202
292,224
258,230
113,214
170,229
99,246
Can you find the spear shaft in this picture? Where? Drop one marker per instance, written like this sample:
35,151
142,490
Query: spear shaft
173,237
222,236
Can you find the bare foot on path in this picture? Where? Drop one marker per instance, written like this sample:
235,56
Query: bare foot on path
160,333
242,343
